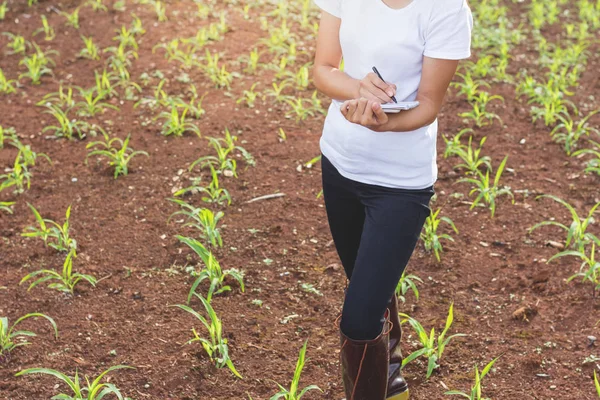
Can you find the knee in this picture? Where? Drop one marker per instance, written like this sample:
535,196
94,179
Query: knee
361,323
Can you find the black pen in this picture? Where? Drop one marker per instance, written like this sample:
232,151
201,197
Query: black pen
381,77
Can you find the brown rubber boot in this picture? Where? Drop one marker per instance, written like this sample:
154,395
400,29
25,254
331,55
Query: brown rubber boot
397,386
365,366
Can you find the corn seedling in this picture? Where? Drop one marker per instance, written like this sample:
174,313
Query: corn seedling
589,269
249,97
593,164
104,83
7,134
65,127
479,114
175,122
97,5
454,146
64,281
119,6
92,103
90,51
161,11
569,132
11,338
36,65
299,109
53,234
17,43
118,158
212,271
72,18
31,2
19,176
219,76
472,162
63,98
91,390
252,61
488,191
137,27
6,206
406,283
7,86
430,236
577,235
3,10
203,219
475,393
301,78
215,346
293,392
160,98
432,349
597,383
277,92
46,29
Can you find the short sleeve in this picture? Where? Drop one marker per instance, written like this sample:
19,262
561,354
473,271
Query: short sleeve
333,7
449,31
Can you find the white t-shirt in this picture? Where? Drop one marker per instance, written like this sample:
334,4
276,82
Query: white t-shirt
394,41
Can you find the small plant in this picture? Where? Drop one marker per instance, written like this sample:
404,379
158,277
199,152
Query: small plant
432,349
46,29
430,236
175,122
472,162
454,145
479,114
249,97
292,393
90,51
212,271
216,346
569,132
48,230
7,86
7,134
597,383
11,339
66,127
92,103
310,288
63,98
93,390
97,5
6,206
160,10
475,393
72,18
19,176
118,158
406,283
36,68
203,219
577,235
17,43
3,10
64,282
589,270
488,191
593,164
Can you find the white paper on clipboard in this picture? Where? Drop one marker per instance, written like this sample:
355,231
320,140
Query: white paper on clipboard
393,108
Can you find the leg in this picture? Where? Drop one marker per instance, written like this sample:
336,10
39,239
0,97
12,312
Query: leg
345,212
394,219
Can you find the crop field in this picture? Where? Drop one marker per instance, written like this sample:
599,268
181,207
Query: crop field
163,234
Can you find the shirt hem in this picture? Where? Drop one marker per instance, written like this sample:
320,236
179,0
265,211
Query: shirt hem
448,56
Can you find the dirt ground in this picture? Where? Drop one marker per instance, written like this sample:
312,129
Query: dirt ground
493,268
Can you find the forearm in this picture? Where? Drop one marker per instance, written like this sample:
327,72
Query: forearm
406,121
335,83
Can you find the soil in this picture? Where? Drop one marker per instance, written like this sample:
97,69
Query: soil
493,270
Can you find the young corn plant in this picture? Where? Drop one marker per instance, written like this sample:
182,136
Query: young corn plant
17,44
215,346
406,283
97,5
203,219
219,76
597,383
479,114
19,176
118,157
63,282
454,146
252,61
472,161
212,271
294,392
277,92
91,50
589,270
430,236
432,349
46,29
62,99
36,68
593,164
53,234
72,18
7,86
7,134
65,127
161,11
577,235
569,132
175,122
10,338
249,97
3,10
475,393
488,191
90,390
93,103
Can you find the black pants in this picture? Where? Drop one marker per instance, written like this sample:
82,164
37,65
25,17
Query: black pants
375,230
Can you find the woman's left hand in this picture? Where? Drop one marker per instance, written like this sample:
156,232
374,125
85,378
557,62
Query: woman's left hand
365,112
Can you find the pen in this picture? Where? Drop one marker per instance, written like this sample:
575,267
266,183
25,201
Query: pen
381,77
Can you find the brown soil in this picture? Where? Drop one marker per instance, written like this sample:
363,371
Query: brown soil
492,270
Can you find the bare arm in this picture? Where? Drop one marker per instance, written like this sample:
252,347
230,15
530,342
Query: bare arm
333,82
435,79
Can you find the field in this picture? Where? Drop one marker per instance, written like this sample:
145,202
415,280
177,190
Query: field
230,81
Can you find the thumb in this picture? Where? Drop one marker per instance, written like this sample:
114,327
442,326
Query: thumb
379,114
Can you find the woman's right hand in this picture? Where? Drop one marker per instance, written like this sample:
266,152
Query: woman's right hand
373,88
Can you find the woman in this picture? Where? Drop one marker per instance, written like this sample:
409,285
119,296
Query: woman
378,168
